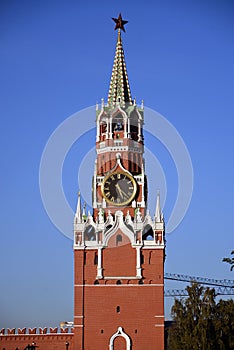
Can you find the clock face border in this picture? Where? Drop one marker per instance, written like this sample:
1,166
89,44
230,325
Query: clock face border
131,197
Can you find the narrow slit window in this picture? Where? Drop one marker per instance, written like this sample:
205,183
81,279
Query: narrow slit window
119,239
95,258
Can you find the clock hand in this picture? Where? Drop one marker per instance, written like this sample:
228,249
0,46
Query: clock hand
119,190
122,192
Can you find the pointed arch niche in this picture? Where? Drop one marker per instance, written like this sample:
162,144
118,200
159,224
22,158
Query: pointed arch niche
120,333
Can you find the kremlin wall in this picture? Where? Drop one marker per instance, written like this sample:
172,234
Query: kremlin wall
41,338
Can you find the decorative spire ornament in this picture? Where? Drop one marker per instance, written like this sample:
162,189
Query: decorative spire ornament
119,91
78,210
84,216
119,23
158,212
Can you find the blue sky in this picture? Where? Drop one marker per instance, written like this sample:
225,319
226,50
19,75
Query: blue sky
56,59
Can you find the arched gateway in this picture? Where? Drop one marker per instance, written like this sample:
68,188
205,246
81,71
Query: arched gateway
120,333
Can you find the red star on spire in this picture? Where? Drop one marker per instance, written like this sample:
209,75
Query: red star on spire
120,23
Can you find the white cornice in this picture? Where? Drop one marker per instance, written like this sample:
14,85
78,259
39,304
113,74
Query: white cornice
119,148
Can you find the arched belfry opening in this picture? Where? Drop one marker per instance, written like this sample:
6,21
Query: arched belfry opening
148,233
117,122
134,124
89,233
103,129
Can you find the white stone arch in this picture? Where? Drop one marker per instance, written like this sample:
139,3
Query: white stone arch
102,115
119,224
120,333
119,110
119,164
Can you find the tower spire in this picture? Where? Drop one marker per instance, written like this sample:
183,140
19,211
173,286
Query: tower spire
119,90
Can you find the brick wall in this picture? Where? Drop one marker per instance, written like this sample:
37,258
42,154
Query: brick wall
50,341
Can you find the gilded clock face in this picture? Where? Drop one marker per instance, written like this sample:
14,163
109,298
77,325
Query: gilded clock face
119,188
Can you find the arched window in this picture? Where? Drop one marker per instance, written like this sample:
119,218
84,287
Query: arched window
134,127
118,282
103,127
119,239
147,233
89,233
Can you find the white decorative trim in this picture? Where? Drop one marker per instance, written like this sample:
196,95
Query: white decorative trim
78,247
119,224
78,325
121,278
152,245
159,226
117,110
159,325
102,113
118,148
120,333
159,316
120,165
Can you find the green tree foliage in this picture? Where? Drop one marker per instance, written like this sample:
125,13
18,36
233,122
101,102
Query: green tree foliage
200,323
230,261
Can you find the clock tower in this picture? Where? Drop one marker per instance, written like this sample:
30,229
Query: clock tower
119,248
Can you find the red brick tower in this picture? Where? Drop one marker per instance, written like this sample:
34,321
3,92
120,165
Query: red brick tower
119,249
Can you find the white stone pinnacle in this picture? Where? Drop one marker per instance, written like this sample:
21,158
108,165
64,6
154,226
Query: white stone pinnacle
78,210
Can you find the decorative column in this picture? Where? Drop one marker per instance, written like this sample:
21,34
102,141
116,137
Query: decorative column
125,128
139,130
129,135
110,135
107,129
138,262
99,266
98,132
143,185
95,186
